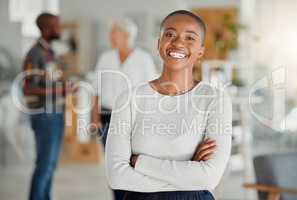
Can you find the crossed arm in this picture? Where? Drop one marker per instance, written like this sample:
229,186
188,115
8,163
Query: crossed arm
149,174
204,152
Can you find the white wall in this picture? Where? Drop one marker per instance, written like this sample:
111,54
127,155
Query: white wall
213,3
276,47
10,32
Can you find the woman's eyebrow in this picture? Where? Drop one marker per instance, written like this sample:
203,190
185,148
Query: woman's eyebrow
187,31
193,32
170,28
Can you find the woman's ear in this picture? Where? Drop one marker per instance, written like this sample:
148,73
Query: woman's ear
201,52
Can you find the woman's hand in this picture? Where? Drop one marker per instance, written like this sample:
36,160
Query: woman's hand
133,160
204,150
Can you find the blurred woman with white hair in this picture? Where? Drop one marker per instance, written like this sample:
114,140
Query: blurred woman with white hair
117,69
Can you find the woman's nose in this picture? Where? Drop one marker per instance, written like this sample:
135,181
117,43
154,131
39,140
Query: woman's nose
177,41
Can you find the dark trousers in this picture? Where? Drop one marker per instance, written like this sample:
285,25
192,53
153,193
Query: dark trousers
174,195
105,120
48,130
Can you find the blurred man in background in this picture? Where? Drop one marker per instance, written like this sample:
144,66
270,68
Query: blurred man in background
44,90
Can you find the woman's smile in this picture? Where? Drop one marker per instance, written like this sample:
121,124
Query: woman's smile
177,54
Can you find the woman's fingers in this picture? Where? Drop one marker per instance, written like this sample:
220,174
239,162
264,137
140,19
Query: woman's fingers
207,157
205,154
204,150
205,145
207,151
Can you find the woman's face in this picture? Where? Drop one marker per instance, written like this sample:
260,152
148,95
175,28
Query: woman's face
118,38
180,43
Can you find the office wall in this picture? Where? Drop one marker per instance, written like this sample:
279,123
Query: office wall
10,37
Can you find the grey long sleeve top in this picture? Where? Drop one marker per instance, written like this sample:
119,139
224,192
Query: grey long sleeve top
165,132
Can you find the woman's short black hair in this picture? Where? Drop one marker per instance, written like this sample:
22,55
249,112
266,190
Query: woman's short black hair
198,19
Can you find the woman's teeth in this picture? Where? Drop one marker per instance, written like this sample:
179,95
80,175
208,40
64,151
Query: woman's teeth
177,55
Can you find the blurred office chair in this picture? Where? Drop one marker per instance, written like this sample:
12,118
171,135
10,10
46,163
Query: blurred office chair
276,176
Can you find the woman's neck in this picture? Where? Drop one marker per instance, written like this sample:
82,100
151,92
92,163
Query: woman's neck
176,82
124,53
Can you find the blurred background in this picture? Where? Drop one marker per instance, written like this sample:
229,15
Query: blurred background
250,46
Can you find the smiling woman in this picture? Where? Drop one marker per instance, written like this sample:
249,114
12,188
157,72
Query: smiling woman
181,42
156,160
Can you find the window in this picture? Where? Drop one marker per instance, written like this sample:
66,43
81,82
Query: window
26,13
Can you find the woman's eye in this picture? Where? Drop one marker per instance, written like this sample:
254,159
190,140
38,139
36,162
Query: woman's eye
190,38
169,34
